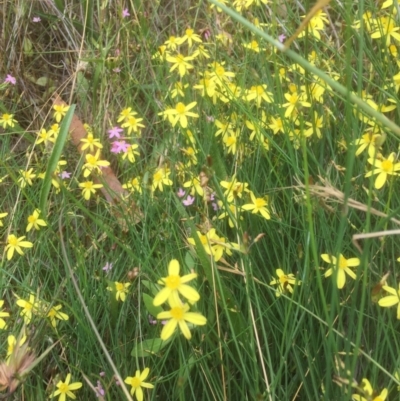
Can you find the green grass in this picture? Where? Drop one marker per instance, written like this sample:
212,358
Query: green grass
319,342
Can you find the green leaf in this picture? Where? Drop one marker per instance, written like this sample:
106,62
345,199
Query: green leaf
189,261
153,310
42,81
153,288
54,159
148,347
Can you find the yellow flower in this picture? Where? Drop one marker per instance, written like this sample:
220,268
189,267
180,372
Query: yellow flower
294,100
342,266
195,184
3,324
137,382
93,163
369,139
221,75
131,153
180,62
315,126
276,125
180,113
28,307
368,391
64,389
172,43
125,114
7,120
234,189
253,45
386,26
160,178
391,300
213,244
15,244
383,168
45,137
178,89
231,142
54,313
175,284
60,111
178,315
2,215
90,142
88,188
284,282
26,177
133,124
259,93
35,222
121,289
190,37
133,185
258,205
12,342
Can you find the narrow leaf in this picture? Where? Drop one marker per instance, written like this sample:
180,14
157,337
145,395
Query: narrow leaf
54,159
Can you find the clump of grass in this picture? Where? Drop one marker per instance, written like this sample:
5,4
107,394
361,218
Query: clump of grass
184,198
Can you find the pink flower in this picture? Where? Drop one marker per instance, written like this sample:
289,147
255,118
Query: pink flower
207,34
181,193
281,38
120,147
102,374
64,175
107,267
125,13
10,79
189,200
99,389
115,132
116,70
36,19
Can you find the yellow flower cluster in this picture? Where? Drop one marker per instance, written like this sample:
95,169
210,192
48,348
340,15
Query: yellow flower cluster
174,287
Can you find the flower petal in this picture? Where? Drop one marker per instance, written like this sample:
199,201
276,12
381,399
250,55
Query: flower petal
185,329
195,318
173,268
144,374
168,329
352,262
189,293
161,296
341,278
388,301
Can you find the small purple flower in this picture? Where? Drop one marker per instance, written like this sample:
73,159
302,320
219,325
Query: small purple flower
181,193
120,147
210,119
10,79
116,70
212,196
64,175
102,374
215,206
107,267
152,321
189,200
125,13
115,132
99,389
36,19
281,38
207,34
